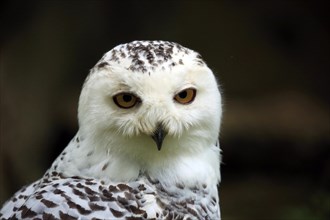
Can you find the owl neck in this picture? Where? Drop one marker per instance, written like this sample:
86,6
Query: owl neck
91,159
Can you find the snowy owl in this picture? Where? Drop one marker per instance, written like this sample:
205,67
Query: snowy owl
147,146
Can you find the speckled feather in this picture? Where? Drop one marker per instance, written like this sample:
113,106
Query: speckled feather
111,169
148,56
58,197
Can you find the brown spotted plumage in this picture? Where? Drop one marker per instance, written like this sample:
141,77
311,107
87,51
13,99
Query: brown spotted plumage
73,198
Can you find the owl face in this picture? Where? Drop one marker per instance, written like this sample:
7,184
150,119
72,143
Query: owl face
166,107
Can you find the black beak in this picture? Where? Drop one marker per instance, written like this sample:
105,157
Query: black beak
158,136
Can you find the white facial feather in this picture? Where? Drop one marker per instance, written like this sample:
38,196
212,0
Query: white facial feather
126,133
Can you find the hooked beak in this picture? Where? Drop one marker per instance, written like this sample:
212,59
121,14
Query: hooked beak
158,136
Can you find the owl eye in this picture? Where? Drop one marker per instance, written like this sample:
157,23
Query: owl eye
186,96
125,100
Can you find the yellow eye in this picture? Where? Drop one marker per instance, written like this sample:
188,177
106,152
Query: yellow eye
125,100
186,96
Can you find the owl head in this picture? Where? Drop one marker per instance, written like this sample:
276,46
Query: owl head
150,100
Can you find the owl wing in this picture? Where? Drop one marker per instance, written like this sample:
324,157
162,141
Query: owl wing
58,197
72,198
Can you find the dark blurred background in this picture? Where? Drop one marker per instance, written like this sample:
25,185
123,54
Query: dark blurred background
270,57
